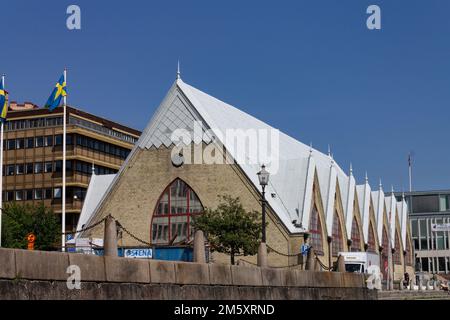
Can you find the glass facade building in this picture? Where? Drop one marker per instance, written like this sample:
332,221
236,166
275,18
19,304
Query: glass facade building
432,248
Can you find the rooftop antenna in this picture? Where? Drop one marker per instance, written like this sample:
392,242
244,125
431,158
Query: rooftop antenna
178,70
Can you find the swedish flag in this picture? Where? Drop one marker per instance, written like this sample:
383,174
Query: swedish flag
58,92
3,102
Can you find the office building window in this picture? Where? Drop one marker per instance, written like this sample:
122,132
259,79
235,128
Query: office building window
10,170
39,142
48,167
38,168
423,244
57,193
19,169
37,194
414,227
426,203
29,194
58,140
9,195
444,202
19,195
440,243
47,193
11,143
48,141
29,143
29,168
100,146
58,166
68,165
20,143
416,244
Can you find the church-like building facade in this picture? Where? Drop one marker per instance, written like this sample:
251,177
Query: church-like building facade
310,198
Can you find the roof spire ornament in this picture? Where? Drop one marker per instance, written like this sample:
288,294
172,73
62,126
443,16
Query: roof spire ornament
392,189
310,149
380,185
178,70
329,151
367,178
351,169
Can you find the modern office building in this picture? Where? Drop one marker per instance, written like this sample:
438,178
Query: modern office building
32,163
429,211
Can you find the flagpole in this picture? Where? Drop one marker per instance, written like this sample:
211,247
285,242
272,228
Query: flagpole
1,169
410,171
63,222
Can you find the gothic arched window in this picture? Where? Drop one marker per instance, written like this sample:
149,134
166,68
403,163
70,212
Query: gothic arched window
337,243
371,240
408,249
315,229
397,253
356,237
171,220
384,253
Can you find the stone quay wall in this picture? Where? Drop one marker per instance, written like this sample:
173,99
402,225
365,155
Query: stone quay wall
43,275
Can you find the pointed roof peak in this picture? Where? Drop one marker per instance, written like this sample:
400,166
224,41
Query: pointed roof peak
178,70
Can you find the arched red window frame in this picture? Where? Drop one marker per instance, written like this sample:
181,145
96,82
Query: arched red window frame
337,245
371,246
315,229
355,236
187,213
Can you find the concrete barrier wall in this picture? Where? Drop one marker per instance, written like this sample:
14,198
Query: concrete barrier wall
48,271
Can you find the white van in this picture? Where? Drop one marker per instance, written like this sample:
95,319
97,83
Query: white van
359,262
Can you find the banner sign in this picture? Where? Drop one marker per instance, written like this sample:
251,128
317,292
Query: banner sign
139,253
440,227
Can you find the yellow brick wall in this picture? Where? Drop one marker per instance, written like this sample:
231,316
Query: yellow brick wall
133,200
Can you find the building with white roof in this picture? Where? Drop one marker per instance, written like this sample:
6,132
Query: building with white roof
310,197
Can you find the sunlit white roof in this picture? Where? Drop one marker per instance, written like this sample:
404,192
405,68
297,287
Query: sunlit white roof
291,184
96,189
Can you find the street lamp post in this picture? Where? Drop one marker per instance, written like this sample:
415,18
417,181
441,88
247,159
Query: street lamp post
263,177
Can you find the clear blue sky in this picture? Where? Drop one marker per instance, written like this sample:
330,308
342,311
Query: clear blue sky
310,68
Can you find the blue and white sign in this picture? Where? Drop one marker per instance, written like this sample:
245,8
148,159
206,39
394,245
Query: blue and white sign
139,253
304,249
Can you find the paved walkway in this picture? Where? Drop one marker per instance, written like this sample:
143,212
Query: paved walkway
413,295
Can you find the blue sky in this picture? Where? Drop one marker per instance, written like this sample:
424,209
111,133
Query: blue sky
310,68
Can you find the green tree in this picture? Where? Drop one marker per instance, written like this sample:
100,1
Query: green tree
230,229
21,219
